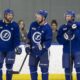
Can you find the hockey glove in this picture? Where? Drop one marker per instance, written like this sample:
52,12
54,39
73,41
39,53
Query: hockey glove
18,50
69,35
27,48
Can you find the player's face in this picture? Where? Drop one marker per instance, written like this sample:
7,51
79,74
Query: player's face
68,17
39,18
8,17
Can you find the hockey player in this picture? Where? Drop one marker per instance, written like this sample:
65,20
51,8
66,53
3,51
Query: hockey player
9,41
69,37
40,37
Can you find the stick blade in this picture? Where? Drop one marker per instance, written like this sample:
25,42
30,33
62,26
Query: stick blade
15,72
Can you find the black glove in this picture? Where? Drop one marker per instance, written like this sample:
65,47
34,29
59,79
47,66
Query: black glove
18,50
27,48
69,35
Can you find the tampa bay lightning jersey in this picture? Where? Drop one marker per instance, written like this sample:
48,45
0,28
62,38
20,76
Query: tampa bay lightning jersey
9,36
40,34
74,44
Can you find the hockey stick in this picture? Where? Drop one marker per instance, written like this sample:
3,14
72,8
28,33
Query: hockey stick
70,62
17,72
71,59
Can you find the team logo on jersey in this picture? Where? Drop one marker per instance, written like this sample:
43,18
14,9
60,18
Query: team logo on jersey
36,37
5,35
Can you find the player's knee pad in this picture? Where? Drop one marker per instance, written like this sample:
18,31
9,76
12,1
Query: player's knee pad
9,66
33,69
68,71
44,69
9,71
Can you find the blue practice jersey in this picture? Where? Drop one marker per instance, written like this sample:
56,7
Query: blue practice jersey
9,36
74,44
39,34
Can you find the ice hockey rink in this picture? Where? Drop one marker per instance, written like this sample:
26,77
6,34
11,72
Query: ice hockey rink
25,10
56,71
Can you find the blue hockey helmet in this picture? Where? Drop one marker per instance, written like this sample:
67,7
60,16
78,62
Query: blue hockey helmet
43,13
8,11
71,13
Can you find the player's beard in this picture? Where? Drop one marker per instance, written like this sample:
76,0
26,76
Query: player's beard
8,20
